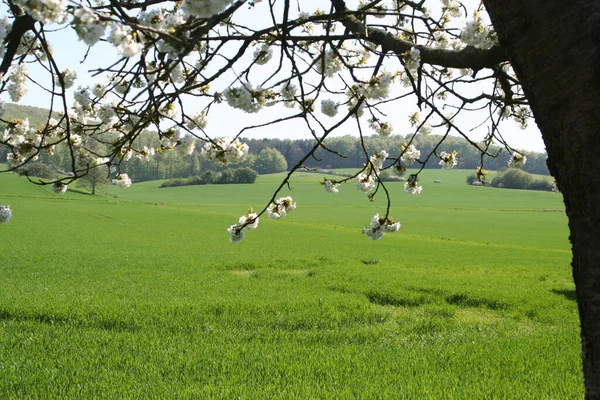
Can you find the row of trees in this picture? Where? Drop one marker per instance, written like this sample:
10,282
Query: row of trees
352,148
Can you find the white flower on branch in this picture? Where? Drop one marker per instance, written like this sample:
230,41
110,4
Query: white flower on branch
412,187
236,233
5,214
122,180
225,151
378,158
476,35
17,88
365,182
281,207
245,98
412,60
383,129
288,93
59,187
409,154
380,226
263,54
448,160
331,186
87,24
69,78
45,11
329,64
517,160
329,108
204,8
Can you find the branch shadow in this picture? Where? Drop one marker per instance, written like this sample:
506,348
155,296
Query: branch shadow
569,294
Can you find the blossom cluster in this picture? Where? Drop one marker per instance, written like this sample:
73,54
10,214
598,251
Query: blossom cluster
412,185
263,54
245,98
409,154
517,160
380,226
225,151
331,186
412,60
248,221
367,180
329,64
122,180
448,160
5,214
281,207
476,35
59,187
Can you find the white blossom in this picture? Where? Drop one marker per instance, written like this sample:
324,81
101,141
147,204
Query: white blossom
186,145
288,93
59,187
383,129
380,226
410,154
329,108
122,38
251,216
82,97
145,153
197,121
245,98
280,207
17,88
365,182
87,24
476,35
448,160
204,8
45,11
517,160
122,180
412,187
225,151
331,186
69,78
329,64
412,60
378,158
263,54
5,214
236,233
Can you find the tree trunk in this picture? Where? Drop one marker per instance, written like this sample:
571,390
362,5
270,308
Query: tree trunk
554,47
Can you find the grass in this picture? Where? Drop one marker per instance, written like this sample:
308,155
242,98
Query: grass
138,294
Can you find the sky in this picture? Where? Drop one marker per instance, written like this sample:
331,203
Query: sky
225,121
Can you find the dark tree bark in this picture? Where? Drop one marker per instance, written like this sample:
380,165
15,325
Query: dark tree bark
554,47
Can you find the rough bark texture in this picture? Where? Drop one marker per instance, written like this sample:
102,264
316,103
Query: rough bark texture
554,46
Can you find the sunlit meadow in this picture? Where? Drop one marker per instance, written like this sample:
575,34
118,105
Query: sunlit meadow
137,293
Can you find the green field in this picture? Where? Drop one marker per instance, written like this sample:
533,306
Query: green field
139,294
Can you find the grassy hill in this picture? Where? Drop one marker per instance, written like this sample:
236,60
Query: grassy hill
138,294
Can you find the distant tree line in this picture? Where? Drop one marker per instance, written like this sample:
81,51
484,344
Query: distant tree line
277,155
468,157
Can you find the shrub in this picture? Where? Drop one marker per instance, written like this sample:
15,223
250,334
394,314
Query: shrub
38,170
244,175
541,184
209,176
512,178
234,175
